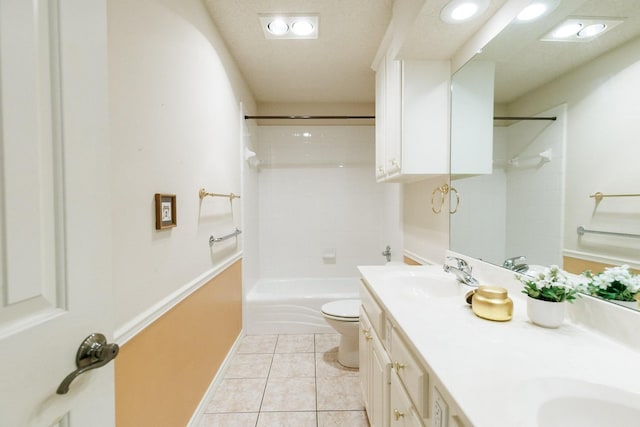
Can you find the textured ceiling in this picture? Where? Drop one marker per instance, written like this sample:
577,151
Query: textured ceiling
337,66
334,68
523,62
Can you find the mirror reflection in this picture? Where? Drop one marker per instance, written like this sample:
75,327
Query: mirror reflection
566,128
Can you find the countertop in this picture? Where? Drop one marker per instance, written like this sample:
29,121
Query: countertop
499,373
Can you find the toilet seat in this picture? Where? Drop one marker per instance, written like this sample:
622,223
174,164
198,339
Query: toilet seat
347,310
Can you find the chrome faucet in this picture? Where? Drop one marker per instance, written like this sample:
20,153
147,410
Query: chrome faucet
462,270
512,264
387,253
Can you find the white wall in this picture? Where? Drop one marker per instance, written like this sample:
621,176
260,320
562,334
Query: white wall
483,200
318,197
175,127
425,233
602,151
535,189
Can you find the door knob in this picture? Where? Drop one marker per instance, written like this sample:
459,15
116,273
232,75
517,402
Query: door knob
94,352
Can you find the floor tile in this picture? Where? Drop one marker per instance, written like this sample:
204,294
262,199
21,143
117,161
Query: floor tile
290,365
339,393
249,366
343,419
295,344
258,344
327,342
287,419
237,395
289,394
241,419
327,365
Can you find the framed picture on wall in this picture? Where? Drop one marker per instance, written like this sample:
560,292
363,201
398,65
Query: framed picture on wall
166,215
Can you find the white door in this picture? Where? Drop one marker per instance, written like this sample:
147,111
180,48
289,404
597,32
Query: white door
55,266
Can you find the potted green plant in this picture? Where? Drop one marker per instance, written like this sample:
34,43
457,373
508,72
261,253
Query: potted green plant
547,292
617,284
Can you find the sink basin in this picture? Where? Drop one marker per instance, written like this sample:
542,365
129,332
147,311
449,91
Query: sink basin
586,412
562,402
426,282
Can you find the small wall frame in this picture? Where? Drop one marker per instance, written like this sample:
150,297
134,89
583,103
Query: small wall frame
166,213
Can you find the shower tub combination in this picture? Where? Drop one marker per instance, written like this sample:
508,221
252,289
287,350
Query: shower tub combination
292,306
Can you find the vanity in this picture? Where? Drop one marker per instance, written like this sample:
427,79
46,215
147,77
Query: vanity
427,360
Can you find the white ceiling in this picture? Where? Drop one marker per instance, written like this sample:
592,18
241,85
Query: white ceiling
337,66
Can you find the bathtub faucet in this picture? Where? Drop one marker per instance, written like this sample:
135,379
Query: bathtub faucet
387,253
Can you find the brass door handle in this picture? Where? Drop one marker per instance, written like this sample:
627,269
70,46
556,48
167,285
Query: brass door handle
94,352
397,365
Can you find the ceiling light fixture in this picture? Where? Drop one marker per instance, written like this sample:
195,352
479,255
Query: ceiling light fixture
457,11
581,29
537,9
278,27
289,26
592,30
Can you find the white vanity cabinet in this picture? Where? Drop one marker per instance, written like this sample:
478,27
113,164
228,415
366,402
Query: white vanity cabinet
412,119
398,388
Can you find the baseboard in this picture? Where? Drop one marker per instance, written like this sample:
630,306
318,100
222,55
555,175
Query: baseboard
215,383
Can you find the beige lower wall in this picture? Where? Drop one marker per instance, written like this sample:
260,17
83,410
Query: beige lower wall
410,261
163,372
577,266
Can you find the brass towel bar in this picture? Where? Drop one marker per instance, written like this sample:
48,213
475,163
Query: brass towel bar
599,196
203,193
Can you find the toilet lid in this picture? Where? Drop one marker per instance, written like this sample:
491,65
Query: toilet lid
347,308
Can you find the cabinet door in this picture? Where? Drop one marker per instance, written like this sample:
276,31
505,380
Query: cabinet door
393,117
381,158
402,413
365,351
380,372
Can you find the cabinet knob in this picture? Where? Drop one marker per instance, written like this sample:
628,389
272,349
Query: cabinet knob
397,414
397,366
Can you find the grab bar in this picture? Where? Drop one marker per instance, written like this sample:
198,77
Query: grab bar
213,240
581,230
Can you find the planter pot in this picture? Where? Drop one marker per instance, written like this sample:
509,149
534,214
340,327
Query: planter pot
545,313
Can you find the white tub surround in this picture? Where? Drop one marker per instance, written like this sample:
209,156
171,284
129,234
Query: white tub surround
292,306
494,374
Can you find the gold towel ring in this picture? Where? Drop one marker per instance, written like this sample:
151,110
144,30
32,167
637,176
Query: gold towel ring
444,189
452,211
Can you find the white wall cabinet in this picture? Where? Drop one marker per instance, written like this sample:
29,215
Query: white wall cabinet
412,119
472,119
399,389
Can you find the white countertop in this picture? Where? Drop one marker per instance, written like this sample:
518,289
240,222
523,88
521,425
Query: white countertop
499,372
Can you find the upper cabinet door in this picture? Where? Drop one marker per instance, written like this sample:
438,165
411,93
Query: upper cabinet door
472,119
412,119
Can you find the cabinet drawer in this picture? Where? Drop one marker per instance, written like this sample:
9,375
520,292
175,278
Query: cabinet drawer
401,411
411,373
374,311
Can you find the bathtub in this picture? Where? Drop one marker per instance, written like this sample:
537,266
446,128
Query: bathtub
292,306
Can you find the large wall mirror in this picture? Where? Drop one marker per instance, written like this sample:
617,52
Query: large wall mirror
570,128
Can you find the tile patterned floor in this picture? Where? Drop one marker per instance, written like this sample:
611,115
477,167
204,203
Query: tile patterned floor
287,381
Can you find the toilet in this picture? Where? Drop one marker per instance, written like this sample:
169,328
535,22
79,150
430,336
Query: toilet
344,317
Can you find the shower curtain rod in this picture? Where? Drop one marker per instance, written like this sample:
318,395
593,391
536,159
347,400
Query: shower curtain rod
307,117
525,118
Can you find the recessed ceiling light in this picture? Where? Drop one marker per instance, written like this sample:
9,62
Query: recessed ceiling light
567,30
581,29
457,11
302,28
537,9
592,30
284,26
532,11
278,27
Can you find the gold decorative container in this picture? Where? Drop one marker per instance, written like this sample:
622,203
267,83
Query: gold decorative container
492,303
